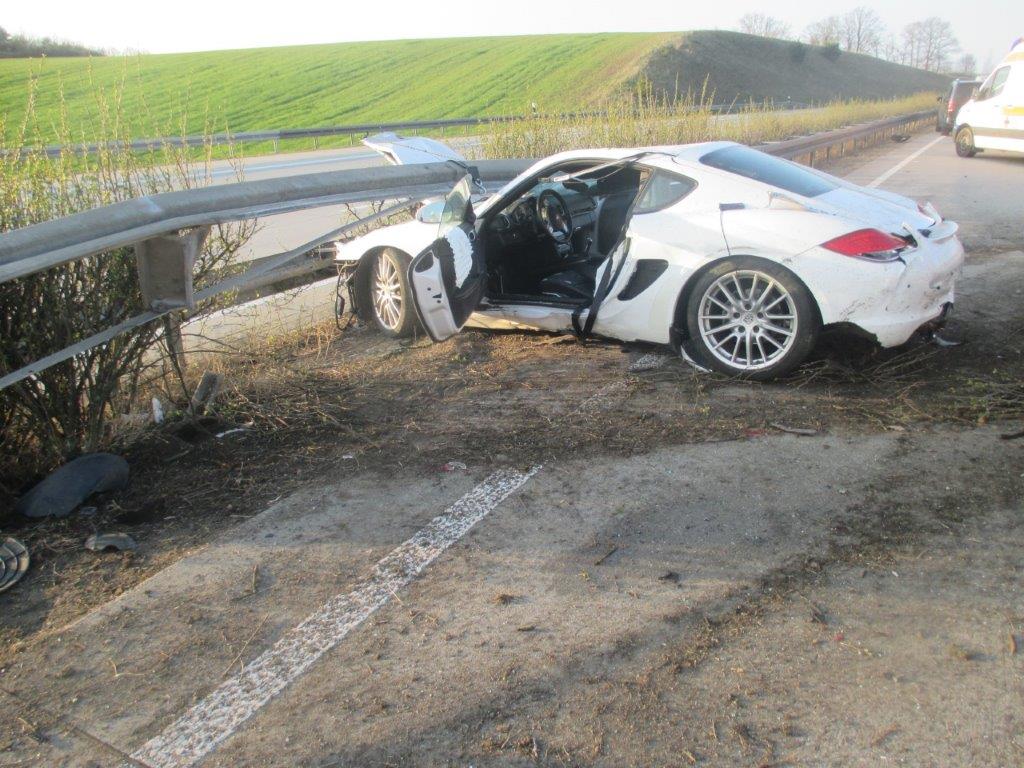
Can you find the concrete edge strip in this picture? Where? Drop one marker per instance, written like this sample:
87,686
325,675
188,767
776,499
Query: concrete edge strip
216,717
904,162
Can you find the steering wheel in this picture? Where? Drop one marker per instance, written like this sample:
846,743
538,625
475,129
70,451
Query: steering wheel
553,215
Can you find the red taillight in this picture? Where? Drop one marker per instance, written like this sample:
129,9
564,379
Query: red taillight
951,107
870,243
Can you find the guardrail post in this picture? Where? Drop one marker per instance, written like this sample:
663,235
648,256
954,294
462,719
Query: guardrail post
165,266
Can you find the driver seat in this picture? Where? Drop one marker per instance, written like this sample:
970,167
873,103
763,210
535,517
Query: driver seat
580,281
576,283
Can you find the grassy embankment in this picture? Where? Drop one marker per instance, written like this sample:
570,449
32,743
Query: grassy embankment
304,86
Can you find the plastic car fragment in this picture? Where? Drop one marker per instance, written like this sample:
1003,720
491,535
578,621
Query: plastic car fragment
14,561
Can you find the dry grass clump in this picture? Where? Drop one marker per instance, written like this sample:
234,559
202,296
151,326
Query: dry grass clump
647,119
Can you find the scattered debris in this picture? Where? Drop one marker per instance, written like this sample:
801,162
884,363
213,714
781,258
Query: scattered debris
205,393
227,432
793,430
961,653
504,598
65,489
669,576
13,562
649,362
754,432
454,466
692,363
606,555
899,138
563,339
885,735
951,334
1013,644
819,614
1012,435
526,628
158,411
103,542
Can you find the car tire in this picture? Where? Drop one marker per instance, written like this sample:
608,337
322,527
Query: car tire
752,318
965,142
384,297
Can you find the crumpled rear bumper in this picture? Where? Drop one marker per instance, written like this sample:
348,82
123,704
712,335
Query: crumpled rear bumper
921,290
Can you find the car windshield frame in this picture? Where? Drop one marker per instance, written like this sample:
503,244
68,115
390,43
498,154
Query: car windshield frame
748,163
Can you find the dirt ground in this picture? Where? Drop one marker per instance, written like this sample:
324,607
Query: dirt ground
858,645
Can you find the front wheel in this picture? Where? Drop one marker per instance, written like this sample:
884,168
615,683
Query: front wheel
965,142
751,317
385,293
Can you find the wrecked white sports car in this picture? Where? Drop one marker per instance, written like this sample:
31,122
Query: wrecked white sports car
735,256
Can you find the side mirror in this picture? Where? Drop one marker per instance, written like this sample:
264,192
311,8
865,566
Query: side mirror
430,213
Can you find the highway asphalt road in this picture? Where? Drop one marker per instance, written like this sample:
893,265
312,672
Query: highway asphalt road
835,600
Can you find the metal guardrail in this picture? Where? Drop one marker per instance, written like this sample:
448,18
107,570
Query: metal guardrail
151,223
828,144
165,259
356,129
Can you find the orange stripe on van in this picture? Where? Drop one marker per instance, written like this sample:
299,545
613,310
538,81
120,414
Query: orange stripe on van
1014,57
1013,111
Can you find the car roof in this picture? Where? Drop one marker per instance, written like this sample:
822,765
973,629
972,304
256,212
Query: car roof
665,154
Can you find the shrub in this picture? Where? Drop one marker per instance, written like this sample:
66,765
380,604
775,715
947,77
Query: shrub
798,52
66,409
831,51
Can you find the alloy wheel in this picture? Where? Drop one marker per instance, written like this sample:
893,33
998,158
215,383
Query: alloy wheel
387,292
747,320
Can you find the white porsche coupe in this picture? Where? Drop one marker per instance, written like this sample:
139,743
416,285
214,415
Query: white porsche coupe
734,256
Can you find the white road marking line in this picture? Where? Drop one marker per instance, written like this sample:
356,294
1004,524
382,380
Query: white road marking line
215,718
903,163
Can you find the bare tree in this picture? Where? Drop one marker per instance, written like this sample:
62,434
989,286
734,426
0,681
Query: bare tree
929,43
824,32
763,25
892,49
861,30
967,64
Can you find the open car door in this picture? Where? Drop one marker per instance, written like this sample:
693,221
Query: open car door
448,279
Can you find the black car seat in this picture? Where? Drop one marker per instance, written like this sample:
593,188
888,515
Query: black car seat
579,281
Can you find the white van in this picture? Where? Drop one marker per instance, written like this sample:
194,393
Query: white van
994,118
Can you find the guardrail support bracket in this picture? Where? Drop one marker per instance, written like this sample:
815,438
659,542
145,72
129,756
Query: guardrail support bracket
165,269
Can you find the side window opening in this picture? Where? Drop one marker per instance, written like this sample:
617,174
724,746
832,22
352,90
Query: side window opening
999,81
662,190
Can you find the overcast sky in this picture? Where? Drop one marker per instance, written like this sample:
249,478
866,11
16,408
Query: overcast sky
984,27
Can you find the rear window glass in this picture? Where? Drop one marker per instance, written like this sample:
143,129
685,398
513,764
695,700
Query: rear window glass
747,162
663,190
964,91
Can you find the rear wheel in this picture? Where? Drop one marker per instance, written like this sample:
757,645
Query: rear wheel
965,142
751,317
385,294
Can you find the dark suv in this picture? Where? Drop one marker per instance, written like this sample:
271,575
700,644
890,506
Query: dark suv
960,92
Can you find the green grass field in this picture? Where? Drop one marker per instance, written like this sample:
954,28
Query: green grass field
318,85
306,86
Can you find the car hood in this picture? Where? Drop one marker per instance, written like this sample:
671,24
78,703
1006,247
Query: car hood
400,150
